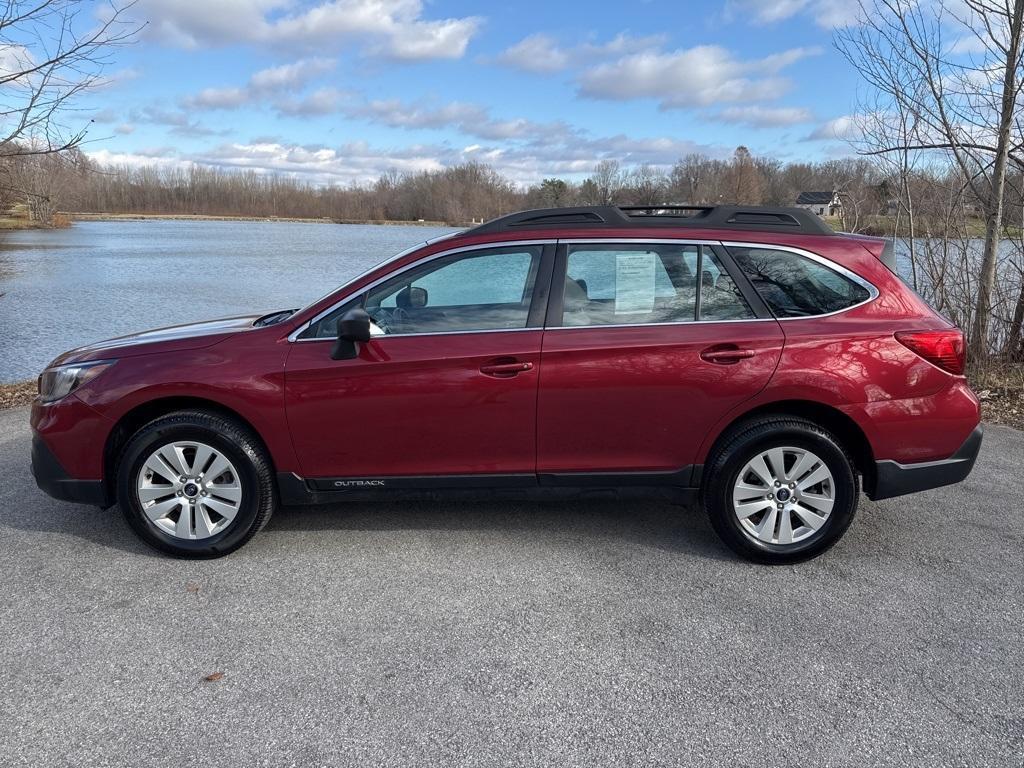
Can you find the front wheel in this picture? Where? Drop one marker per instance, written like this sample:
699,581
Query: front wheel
194,484
780,490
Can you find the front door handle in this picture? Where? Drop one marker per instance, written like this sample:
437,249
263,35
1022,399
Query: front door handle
725,354
504,370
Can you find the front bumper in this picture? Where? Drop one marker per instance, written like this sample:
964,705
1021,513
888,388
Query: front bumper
895,479
53,479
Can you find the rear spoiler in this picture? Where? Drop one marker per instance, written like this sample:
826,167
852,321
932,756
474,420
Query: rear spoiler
888,255
882,248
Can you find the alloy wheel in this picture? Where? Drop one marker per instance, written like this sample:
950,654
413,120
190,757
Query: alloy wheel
783,496
189,490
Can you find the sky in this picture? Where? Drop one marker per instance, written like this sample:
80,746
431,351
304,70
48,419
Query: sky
340,91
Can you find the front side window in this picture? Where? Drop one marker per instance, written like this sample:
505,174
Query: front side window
480,290
638,284
796,286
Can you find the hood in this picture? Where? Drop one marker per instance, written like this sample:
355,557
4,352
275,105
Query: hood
172,338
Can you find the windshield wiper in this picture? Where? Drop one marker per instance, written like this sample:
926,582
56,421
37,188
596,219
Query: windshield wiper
274,317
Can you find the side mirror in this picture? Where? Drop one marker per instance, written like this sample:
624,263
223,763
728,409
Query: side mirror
354,326
412,297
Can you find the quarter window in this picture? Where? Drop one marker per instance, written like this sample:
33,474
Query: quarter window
796,286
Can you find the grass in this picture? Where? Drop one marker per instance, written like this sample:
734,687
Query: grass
882,226
12,223
17,218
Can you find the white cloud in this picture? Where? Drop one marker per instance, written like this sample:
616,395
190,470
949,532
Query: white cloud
195,23
694,77
105,116
541,53
285,76
757,116
218,98
837,129
389,28
323,101
827,14
349,163
14,59
967,45
470,119
266,82
106,157
537,53
179,121
361,162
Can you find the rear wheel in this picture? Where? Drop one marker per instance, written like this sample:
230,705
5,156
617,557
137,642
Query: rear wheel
194,484
780,490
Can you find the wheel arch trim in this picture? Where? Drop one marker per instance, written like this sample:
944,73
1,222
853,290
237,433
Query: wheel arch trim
129,422
846,429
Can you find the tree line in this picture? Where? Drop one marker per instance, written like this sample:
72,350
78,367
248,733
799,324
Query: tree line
69,181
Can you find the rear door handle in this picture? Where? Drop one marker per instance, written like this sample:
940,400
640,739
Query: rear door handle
726,354
505,370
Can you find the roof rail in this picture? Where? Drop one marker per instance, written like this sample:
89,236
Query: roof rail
749,218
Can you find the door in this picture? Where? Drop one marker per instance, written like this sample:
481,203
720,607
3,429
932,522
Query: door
647,346
447,385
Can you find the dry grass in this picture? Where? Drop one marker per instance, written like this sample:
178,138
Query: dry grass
1001,391
14,395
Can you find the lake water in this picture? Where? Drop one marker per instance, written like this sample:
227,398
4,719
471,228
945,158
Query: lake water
63,288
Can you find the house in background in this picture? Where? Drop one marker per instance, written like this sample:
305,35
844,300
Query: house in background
821,203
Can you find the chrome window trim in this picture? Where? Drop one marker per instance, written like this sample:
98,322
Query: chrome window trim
294,335
873,292
683,324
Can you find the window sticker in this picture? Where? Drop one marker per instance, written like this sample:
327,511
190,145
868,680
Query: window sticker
634,283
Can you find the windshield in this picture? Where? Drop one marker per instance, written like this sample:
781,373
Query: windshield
397,256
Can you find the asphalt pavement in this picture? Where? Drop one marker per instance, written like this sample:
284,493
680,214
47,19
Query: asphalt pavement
515,634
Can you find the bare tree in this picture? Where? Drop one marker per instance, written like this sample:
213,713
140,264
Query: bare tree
962,106
646,185
607,178
744,182
51,51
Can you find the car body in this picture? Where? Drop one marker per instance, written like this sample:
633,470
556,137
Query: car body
568,350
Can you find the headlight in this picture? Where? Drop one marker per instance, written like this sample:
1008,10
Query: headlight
55,383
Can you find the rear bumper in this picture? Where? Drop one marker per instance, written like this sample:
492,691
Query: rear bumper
895,479
53,479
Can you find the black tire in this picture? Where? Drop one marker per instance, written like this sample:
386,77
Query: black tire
237,443
741,445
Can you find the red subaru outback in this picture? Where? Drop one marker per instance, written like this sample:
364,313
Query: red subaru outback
750,357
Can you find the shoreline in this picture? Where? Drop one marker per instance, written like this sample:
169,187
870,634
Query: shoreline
83,216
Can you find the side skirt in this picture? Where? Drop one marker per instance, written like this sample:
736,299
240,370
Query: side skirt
671,486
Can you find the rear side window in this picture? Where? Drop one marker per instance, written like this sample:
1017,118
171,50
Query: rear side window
627,284
795,286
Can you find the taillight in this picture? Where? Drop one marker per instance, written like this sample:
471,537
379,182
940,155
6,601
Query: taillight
944,349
